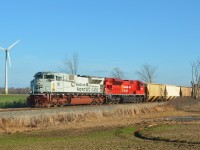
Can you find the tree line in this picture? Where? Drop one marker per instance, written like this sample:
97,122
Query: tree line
13,90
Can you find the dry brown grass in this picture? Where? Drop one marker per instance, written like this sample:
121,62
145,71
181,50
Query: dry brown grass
184,103
26,122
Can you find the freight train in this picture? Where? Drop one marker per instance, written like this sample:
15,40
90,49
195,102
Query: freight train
58,89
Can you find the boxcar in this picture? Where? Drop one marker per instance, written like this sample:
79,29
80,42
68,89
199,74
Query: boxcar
186,91
172,91
155,92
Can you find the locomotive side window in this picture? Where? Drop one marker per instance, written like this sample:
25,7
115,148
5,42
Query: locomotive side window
71,77
95,81
39,77
117,83
138,85
109,86
49,76
58,78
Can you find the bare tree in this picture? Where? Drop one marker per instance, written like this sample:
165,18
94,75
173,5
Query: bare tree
196,79
117,73
147,73
71,65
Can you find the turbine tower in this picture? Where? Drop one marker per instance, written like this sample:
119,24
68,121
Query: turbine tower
6,64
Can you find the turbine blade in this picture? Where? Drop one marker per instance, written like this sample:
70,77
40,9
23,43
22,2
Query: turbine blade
3,49
13,45
9,59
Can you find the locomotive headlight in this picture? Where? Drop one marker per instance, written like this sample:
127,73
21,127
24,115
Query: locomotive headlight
39,87
38,83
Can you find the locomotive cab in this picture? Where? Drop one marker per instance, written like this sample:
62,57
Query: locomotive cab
42,82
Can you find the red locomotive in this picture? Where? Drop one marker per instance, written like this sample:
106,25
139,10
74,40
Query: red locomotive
124,90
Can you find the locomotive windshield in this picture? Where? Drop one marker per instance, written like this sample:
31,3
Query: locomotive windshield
48,76
39,76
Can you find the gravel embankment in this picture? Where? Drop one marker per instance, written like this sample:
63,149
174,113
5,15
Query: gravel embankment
74,116
76,109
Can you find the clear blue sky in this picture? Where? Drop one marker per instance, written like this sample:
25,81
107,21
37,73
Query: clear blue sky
105,33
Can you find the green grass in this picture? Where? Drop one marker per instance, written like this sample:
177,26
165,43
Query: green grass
81,139
13,100
12,97
61,139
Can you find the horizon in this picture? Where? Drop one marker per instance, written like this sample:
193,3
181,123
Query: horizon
105,34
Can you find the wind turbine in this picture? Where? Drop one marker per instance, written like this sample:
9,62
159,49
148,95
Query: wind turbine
6,64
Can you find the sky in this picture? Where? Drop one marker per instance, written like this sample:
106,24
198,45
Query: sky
105,34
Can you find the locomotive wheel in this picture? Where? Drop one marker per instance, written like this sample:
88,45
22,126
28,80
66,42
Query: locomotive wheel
36,104
137,100
100,102
115,101
93,102
140,99
48,105
61,105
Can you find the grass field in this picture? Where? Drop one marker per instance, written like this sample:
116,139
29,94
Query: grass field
100,139
120,138
13,100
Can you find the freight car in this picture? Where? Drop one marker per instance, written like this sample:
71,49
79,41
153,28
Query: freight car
186,92
155,92
165,92
53,89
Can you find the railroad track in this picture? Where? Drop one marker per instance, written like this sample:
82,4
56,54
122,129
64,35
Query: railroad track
77,106
19,109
